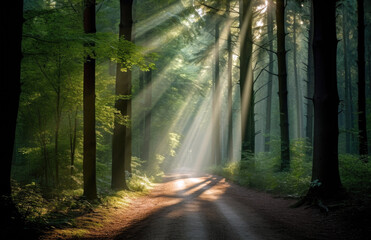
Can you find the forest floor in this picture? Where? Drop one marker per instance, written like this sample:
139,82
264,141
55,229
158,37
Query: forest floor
190,206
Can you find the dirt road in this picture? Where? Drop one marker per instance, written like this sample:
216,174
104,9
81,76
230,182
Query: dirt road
189,206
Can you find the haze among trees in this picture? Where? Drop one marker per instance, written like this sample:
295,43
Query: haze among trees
103,98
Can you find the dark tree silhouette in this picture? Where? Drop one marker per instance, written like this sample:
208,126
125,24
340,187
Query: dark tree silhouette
362,128
10,94
282,85
326,100
89,161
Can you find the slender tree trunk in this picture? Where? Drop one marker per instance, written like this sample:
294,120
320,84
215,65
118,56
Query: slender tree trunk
216,151
326,99
89,155
282,85
362,128
230,92
121,143
147,118
296,76
310,81
268,113
57,127
246,79
72,138
348,111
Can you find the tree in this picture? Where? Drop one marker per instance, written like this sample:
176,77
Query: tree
89,158
325,172
310,80
362,128
230,87
11,90
121,142
268,114
216,102
246,78
282,85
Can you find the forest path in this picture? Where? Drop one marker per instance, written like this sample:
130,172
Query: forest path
191,206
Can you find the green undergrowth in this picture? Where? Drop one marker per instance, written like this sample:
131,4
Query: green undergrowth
64,209
262,172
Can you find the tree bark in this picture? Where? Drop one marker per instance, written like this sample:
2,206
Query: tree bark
10,96
282,85
216,149
268,113
310,81
230,91
297,88
362,128
326,100
121,143
147,118
246,79
347,81
89,155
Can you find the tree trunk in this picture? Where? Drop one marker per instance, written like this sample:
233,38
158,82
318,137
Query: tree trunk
326,100
268,113
89,156
121,143
230,91
282,85
347,81
310,81
246,79
10,95
362,128
297,88
216,149
147,118
72,138
11,89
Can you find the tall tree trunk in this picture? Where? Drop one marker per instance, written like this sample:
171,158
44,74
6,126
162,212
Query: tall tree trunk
362,128
268,113
121,143
347,81
12,87
10,94
147,118
282,85
216,149
72,138
296,77
310,80
57,127
246,79
230,90
89,156
326,99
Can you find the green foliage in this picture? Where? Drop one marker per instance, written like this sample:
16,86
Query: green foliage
355,174
261,172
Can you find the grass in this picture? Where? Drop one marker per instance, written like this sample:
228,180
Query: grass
66,213
262,172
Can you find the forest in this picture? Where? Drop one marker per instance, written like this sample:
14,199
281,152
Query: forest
186,119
